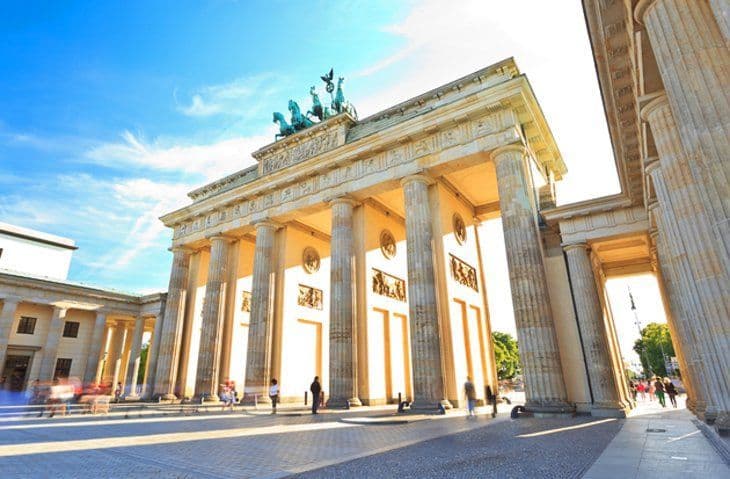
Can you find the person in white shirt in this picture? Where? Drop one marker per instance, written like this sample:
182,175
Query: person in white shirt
274,395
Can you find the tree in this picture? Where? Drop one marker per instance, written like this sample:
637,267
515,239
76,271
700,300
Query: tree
142,362
654,345
506,354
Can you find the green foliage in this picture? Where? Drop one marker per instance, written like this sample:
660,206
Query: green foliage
506,355
655,338
142,363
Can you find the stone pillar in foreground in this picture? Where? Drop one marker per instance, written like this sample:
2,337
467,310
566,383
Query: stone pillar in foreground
426,363
7,316
214,308
705,280
342,375
153,354
693,59
721,11
134,359
258,358
97,346
606,397
544,385
116,352
48,363
172,325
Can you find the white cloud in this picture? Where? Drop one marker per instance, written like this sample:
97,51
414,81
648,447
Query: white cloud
206,161
444,40
243,97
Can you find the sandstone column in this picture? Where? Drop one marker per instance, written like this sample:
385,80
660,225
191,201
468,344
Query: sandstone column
116,352
673,258
606,397
706,278
343,381
102,355
172,324
7,316
48,363
95,351
694,63
134,359
426,363
544,385
258,358
152,356
209,352
721,10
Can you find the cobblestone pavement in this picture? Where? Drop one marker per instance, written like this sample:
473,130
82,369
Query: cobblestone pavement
210,445
525,448
658,442
256,444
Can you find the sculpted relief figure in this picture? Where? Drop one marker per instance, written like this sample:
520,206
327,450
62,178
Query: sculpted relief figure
389,286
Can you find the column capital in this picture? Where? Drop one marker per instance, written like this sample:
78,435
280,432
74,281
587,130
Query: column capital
421,177
343,199
266,223
502,150
650,164
648,110
220,237
573,246
181,249
653,205
640,10
12,299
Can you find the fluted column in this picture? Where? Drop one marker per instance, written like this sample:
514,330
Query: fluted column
152,355
426,363
343,383
206,379
721,11
95,350
706,282
7,316
172,324
116,352
693,58
544,385
673,256
48,362
606,397
258,357
134,359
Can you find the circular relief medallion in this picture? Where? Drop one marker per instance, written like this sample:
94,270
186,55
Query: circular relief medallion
310,260
387,244
459,228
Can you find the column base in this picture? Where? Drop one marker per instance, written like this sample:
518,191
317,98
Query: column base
722,424
609,411
550,408
341,403
255,400
167,397
132,398
430,406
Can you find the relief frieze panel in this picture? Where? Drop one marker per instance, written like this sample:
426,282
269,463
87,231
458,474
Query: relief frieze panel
492,132
388,285
463,273
310,297
301,152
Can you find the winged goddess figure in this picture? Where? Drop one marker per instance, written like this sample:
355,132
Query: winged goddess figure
327,78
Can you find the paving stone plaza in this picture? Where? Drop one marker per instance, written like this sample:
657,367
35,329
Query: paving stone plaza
163,442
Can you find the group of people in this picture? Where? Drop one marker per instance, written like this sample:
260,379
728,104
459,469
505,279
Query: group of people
656,387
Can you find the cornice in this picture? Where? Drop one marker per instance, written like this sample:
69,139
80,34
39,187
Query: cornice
587,207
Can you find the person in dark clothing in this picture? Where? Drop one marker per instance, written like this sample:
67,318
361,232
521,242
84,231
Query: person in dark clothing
315,388
659,385
671,391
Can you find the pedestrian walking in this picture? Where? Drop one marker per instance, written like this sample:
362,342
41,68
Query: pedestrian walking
471,396
671,391
652,389
118,392
659,391
274,395
632,386
315,388
641,389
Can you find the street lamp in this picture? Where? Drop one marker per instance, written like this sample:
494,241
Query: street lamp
637,322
